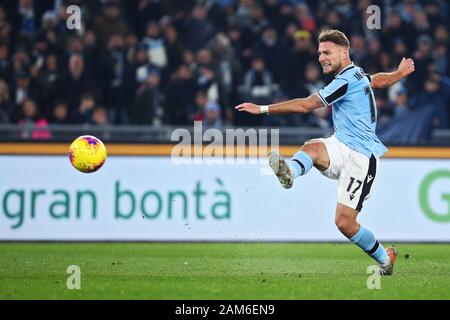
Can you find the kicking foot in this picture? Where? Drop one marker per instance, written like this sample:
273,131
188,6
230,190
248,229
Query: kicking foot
281,169
388,269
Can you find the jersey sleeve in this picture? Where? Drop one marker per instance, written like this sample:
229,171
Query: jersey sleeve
333,92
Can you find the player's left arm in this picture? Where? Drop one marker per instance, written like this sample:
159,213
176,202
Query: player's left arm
385,79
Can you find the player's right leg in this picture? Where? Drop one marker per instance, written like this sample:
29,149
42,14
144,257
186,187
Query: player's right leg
388,268
346,221
313,152
355,185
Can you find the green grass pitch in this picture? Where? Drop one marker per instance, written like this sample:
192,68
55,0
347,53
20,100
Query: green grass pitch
218,271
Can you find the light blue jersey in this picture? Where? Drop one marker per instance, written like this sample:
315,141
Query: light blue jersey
354,111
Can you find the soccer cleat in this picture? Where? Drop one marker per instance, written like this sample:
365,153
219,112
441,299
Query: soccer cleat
281,169
387,270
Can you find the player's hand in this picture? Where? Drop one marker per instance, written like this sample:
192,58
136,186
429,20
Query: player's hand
248,107
406,67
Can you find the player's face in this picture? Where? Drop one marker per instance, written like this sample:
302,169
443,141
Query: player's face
331,57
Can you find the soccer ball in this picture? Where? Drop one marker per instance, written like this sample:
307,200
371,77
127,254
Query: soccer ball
87,154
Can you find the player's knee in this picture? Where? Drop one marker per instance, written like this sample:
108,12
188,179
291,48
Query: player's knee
341,223
344,224
311,149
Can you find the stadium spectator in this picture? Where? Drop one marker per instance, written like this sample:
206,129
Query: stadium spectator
207,111
400,49
131,43
156,49
370,62
435,97
188,59
38,53
27,16
421,23
47,81
206,74
302,52
272,50
358,50
304,18
394,28
441,34
21,60
243,11
99,116
49,22
117,79
422,58
147,109
83,114
198,29
74,82
384,110
441,57
6,67
109,23
140,64
401,105
237,44
146,11
253,27
284,17
33,124
271,9
212,115
86,47
407,10
6,105
258,86
229,73
5,28
385,62
174,48
435,13
60,113
180,97
333,20
100,119
23,88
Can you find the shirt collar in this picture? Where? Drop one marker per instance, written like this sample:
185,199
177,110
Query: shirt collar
350,66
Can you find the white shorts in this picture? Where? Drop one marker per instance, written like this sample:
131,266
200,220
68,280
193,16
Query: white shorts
354,171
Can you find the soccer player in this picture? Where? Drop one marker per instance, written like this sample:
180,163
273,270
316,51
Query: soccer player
352,153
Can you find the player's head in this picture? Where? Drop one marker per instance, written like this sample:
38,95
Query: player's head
333,51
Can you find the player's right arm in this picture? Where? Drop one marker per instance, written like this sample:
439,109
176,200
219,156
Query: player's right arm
299,105
333,92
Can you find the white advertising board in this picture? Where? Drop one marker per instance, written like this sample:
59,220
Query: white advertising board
153,199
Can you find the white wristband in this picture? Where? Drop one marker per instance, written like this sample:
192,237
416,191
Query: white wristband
264,109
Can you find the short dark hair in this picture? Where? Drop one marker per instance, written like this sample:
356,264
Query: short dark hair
335,36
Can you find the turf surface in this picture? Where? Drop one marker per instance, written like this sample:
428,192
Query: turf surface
218,271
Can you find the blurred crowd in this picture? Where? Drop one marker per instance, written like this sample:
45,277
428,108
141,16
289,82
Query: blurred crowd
152,62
